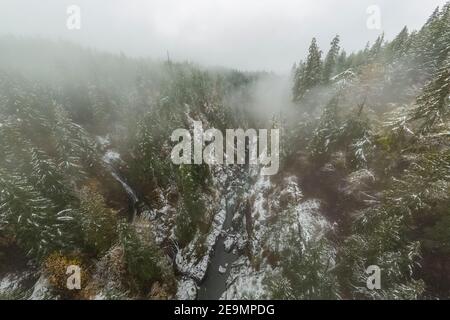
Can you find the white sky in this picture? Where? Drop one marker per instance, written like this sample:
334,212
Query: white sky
244,34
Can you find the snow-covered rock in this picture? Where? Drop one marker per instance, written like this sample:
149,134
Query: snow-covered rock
229,242
244,282
223,269
187,289
111,157
10,283
186,260
277,213
41,289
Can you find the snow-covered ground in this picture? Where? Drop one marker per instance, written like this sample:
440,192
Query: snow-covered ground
186,260
41,289
244,282
24,285
277,212
187,289
10,283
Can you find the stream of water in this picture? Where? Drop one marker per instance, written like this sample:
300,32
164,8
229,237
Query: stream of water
214,283
108,159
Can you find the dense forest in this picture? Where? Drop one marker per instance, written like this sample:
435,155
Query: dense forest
86,176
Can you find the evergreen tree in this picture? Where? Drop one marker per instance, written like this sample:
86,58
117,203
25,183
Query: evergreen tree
143,260
67,146
443,44
326,133
192,182
433,106
12,145
293,71
311,74
428,45
341,62
306,273
376,49
330,63
298,78
76,150
48,180
33,220
398,47
98,222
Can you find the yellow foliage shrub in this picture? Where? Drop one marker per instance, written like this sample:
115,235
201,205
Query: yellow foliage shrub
55,268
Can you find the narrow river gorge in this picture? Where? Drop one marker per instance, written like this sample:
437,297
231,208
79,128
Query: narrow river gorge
214,283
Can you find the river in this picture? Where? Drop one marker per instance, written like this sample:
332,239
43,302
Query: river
214,283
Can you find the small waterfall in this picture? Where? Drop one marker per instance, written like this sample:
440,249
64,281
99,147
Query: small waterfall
131,194
109,159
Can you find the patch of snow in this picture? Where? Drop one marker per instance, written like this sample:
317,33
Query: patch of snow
111,157
41,290
104,141
223,269
244,282
10,282
187,289
344,78
311,222
185,259
99,296
13,284
278,211
229,243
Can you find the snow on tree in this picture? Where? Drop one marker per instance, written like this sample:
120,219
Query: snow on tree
433,105
311,74
329,66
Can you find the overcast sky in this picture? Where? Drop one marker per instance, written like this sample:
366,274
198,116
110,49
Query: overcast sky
244,34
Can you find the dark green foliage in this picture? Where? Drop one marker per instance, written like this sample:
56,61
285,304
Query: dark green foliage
375,51
405,225
341,62
430,45
152,151
330,63
192,182
398,47
401,223
327,132
185,228
142,259
349,133
306,273
46,177
310,74
433,105
32,219
98,222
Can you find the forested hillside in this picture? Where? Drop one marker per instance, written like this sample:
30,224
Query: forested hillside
379,154
86,176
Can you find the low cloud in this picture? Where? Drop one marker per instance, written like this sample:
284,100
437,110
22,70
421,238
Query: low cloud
248,35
